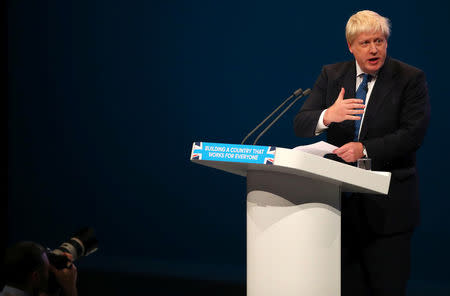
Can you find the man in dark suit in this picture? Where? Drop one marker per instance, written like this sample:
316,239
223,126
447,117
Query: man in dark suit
374,107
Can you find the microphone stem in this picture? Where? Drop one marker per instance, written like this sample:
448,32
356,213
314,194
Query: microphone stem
295,93
306,92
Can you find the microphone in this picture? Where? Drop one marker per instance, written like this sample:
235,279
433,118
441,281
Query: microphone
294,94
304,93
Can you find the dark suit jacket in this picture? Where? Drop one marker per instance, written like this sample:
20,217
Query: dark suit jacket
395,122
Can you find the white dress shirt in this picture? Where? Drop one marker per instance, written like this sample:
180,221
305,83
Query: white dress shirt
11,291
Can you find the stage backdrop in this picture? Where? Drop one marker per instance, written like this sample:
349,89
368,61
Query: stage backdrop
106,98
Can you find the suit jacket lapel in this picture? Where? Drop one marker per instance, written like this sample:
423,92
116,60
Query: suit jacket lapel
349,83
382,87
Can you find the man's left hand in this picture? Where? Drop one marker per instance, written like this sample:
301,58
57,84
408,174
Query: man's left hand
67,277
350,152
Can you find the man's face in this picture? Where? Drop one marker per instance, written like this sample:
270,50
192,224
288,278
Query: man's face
40,277
369,50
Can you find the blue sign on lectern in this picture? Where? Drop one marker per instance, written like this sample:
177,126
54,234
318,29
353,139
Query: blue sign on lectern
233,153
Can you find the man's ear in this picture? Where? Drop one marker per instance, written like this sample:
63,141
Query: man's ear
35,277
349,47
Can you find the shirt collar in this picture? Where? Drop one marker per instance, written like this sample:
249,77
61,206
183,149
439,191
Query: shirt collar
14,291
359,72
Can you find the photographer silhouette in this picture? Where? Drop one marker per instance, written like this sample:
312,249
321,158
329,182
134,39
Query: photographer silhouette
27,269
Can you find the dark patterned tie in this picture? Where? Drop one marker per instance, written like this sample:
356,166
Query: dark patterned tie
361,93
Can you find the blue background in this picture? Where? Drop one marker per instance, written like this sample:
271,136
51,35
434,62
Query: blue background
106,97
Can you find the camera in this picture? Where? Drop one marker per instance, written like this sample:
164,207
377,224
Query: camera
83,243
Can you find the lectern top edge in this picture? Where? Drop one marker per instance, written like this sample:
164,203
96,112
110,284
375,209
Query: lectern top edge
238,159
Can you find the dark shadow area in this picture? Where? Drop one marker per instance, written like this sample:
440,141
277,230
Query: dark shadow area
113,283
121,283
435,288
3,133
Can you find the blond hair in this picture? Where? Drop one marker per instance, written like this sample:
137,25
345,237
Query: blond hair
366,21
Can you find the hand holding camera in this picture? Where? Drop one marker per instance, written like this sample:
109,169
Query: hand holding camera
66,277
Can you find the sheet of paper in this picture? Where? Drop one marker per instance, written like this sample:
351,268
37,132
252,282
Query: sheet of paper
320,148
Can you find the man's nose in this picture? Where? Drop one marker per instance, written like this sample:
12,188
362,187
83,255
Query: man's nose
373,48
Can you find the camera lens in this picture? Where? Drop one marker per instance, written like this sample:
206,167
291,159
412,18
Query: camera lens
81,244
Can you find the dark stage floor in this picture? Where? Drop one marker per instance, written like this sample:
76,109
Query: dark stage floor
92,283
95,283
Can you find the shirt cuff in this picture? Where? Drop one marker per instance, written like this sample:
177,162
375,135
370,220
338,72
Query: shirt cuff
320,125
365,152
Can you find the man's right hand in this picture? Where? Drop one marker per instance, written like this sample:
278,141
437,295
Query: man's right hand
67,277
343,109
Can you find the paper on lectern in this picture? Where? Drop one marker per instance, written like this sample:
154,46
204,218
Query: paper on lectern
320,148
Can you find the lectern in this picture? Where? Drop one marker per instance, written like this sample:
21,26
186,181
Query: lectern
293,214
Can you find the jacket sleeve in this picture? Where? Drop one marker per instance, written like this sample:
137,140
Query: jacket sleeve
305,121
413,121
